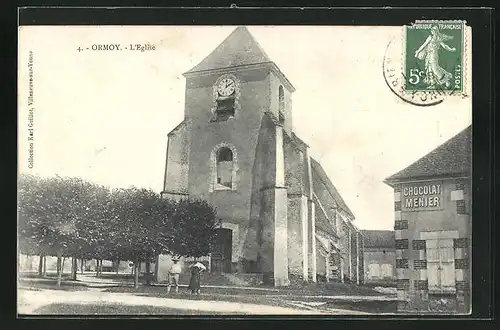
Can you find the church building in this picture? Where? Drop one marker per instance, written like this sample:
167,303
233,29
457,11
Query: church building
281,215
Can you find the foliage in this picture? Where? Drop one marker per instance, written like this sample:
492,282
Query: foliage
194,223
73,217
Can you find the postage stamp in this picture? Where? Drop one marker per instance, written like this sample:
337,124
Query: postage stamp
434,56
427,62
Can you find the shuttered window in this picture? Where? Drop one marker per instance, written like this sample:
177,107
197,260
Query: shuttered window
374,270
440,265
386,270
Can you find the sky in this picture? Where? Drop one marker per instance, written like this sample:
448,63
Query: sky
104,116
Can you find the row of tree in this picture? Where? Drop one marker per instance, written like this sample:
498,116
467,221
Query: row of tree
70,217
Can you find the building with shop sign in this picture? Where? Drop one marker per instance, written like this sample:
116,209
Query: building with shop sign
432,204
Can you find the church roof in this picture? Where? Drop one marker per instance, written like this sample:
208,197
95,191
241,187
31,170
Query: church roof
176,128
326,227
323,223
331,188
239,48
273,118
378,238
454,157
298,140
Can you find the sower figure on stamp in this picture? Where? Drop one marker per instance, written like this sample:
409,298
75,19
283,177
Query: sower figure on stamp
435,75
194,283
173,275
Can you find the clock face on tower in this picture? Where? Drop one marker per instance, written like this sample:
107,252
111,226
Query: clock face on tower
226,87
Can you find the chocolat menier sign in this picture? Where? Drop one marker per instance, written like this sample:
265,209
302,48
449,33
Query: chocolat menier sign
422,196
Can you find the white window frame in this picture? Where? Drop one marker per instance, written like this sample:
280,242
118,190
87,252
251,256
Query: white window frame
440,254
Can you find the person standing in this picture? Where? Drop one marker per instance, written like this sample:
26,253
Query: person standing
194,283
173,275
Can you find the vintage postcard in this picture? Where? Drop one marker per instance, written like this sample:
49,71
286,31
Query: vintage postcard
239,170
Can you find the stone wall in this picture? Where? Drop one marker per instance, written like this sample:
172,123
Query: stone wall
177,166
295,234
414,228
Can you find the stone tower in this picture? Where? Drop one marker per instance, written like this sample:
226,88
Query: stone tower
229,151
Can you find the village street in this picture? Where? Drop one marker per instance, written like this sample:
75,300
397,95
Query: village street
101,303
39,302
97,296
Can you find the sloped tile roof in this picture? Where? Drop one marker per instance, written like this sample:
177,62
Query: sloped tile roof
298,140
316,166
378,238
239,48
451,158
323,224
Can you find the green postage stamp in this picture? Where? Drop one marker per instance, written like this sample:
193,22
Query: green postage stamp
434,57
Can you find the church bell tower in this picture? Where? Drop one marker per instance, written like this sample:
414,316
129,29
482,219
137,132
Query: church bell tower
229,151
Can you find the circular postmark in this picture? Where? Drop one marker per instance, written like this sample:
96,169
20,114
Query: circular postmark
395,79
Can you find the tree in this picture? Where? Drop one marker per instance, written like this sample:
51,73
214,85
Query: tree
70,217
50,210
96,225
140,211
193,224
65,207
30,236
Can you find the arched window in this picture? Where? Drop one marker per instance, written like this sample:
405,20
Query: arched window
224,168
281,103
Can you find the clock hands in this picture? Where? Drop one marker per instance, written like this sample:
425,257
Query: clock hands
226,87
228,84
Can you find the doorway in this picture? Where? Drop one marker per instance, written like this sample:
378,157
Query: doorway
221,256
